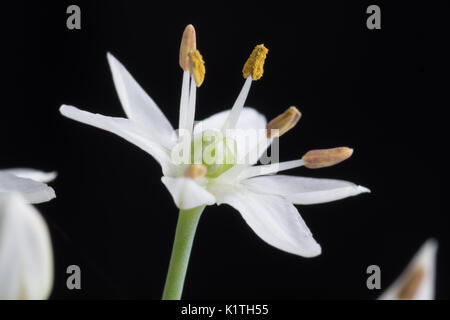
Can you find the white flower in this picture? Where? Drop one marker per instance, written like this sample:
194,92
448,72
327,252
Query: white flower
30,183
265,201
26,259
417,281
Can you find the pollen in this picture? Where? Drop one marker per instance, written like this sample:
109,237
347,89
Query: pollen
255,63
197,67
195,171
283,123
322,158
188,44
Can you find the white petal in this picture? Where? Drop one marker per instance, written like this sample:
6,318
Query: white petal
250,126
138,105
26,259
32,191
423,262
301,190
187,194
249,119
32,174
274,220
122,127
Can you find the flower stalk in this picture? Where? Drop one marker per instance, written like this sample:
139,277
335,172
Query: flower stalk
181,251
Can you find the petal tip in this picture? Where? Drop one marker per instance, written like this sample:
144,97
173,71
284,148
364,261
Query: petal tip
110,57
64,108
317,251
430,247
364,189
52,175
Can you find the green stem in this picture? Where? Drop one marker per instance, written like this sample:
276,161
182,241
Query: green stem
181,251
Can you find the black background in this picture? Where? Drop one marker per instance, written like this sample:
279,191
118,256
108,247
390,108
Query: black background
373,90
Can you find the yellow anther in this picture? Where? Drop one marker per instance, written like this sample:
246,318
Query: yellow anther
255,63
197,67
283,123
326,157
188,44
409,289
195,171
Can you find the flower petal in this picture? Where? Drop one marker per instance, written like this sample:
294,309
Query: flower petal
187,194
32,174
274,220
417,282
138,105
248,119
32,191
248,131
122,127
26,258
301,190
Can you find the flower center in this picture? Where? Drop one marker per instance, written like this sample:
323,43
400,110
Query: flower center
215,151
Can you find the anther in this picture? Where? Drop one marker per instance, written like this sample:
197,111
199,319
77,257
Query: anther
283,123
255,63
188,44
315,159
197,67
195,171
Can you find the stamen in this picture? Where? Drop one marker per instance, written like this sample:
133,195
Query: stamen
255,171
195,171
188,44
233,117
409,289
253,70
190,113
283,123
326,157
254,66
184,101
197,67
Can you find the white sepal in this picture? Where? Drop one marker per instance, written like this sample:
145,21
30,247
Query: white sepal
124,128
32,174
26,258
273,219
139,106
32,191
301,190
186,193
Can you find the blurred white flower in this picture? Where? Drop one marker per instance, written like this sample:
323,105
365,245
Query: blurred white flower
264,200
26,259
417,282
30,183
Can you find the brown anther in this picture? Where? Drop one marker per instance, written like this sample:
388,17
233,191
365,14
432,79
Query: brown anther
315,159
195,171
412,284
283,123
188,44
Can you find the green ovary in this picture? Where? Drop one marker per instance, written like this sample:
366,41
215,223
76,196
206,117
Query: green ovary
216,152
